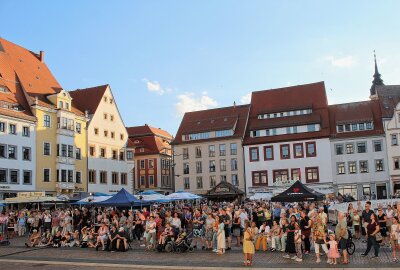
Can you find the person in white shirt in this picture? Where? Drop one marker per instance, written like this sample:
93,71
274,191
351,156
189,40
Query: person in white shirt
263,234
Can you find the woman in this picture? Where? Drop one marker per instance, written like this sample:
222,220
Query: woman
290,245
236,228
275,236
210,221
284,228
263,234
268,217
248,246
151,233
356,224
220,236
382,224
372,229
389,217
394,237
176,224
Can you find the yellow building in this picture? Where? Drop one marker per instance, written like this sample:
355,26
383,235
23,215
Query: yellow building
61,138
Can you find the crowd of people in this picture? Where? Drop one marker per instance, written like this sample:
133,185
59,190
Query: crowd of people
291,229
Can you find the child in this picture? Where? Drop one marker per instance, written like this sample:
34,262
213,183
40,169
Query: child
297,243
394,237
333,253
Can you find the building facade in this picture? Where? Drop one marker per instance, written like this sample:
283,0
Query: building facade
208,149
150,150
108,169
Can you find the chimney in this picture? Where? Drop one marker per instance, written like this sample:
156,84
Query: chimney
41,56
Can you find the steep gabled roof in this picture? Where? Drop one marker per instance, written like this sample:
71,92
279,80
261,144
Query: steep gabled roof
389,97
88,98
146,130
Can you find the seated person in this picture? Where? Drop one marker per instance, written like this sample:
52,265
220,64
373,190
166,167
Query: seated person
46,239
85,238
57,239
91,238
112,238
102,235
122,237
66,240
168,232
75,241
181,237
34,239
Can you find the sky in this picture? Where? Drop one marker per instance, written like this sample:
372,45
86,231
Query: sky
163,58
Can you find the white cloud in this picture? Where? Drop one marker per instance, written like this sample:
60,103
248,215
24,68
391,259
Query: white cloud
188,102
245,99
342,62
154,86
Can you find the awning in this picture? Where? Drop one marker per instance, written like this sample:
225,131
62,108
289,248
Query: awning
32,200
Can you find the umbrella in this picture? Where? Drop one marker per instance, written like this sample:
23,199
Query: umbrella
182,195
152,196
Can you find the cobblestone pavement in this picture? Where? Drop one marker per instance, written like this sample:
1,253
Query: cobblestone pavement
199,258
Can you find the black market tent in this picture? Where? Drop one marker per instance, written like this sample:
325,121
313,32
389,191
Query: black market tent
298,193
122,198
224,191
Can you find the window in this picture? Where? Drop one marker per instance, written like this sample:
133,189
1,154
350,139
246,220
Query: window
2,127
142,180
354,127
298,150
92,151
105,99
233,148
361,126
78,153
255,133
340,128
349,148
368,125
114,178
185,153
70,176
124,179
78,128
211,150
2,151
67,105
46,120
14,176
186,183
142,165
103,177
105,116
58,176
199,182
212,165
121,136
347,127
361,147
296,174
222,150
151,180
285,151
27,178
46,175
223,178
96,131
92,176
25,131
234,164
26,153
235,180
213,181
12,152
12,129
185,168
60,104
260,178
280,175
70,151
311,149
311,128
78,177
199,168
222,165
3,176
106,133
394,139
339,149
198,151
151,164
46,149
379,165
352,167
312,174
363,166
114,154
112,135
268,152
254,154
340,168
112,117
63,175
223,133
396,162
129,155
377,146
121,155
103,152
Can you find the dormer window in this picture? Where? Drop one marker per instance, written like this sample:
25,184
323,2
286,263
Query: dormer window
67,105
4,89
60,104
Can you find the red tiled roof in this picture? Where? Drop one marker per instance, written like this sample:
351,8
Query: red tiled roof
88,98
233,117
147,130
307,96
150,144
389,97
356,112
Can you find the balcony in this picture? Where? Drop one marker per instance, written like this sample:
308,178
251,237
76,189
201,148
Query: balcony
65,185
65,160
65,132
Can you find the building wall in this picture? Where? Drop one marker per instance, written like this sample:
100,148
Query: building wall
19,164
205,159
322,160
108,106
358,183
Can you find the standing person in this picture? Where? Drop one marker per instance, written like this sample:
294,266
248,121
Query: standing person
395,237
151,230
290,245
383,226
305,225
284,227
248,245
342,235
236,228
221,245
21,222
366,218
333,253
260,216
372,230
297,243
319,238
227,220
198,231
356,224
210,221
275,236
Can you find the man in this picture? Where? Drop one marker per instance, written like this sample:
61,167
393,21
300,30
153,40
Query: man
366,218
342,235
305,225
34,239
323,216
227,219
122,240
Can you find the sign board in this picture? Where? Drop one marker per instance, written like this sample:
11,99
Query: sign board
282,183
222,189
31,194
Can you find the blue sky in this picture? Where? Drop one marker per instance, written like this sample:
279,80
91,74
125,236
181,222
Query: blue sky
162,58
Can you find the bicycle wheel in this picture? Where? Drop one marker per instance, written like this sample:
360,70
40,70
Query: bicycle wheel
351,248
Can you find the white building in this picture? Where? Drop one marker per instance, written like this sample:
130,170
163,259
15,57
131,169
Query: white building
108,170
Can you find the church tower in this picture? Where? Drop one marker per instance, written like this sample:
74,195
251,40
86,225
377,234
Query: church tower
376,81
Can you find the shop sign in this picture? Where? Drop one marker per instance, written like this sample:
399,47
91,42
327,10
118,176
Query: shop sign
30,194
4,187
222,189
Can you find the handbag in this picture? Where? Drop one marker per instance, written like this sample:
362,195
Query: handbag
379,237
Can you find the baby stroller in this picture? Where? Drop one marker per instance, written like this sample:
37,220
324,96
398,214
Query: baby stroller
167,246
183,243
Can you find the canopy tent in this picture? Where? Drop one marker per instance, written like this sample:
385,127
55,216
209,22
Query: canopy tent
153,196
224,191
2,205
298,193
32,199
182,195
266,196
93,199
83,195
122,198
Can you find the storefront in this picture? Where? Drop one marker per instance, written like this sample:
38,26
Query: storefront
225,191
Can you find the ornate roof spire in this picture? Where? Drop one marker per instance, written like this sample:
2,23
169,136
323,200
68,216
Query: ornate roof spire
377,78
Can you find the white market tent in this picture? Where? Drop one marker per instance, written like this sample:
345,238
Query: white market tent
32,199
182,195
266,196
93,199
153,196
